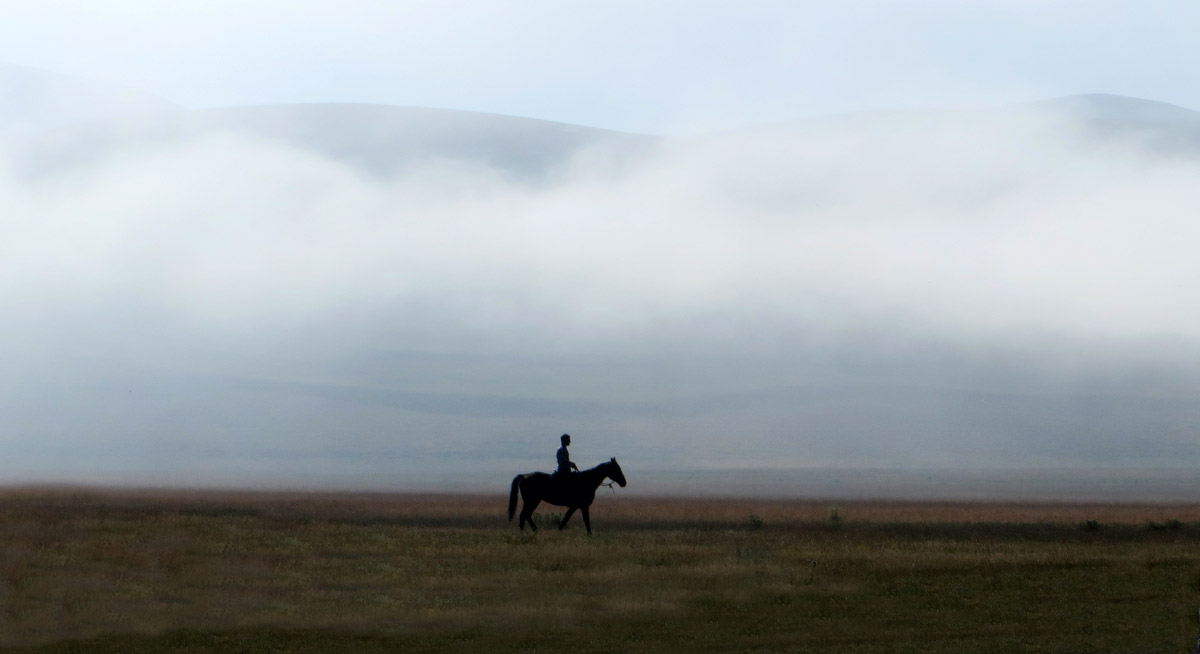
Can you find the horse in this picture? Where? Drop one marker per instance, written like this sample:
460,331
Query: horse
572,490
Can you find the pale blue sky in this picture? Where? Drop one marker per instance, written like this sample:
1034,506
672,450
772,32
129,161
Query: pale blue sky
662,67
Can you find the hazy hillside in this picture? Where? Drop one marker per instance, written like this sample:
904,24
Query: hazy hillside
1157,126
1092,121
65,122
357,290
383,139
1115,108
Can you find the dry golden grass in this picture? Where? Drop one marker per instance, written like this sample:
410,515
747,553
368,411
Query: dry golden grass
785,512
449,572
615,508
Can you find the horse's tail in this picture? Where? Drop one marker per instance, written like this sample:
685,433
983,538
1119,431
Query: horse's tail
512,496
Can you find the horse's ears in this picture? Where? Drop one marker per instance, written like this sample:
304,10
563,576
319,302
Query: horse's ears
614,459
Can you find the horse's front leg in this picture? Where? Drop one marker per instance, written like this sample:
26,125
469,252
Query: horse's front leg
587,521
567,517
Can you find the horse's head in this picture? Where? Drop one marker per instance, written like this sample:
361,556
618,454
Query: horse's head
613,470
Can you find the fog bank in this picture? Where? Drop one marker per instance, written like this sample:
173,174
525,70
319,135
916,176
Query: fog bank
968,290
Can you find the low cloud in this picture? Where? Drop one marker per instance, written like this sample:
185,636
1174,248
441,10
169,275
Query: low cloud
955,290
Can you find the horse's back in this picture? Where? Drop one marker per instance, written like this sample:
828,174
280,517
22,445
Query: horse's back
560,489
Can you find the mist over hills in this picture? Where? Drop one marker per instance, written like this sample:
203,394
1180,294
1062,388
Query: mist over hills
296,293
1158,126
1116,108
87,122
384,139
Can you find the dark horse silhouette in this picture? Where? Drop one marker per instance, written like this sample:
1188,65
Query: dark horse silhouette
573,490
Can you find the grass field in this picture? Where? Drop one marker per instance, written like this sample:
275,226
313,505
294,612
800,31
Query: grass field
123,571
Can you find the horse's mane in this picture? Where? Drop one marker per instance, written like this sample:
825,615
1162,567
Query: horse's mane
608,463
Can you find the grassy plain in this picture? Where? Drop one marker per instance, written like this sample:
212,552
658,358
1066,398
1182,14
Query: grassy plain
124,571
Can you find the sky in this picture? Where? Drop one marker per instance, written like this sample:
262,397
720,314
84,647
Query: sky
764,288
665,67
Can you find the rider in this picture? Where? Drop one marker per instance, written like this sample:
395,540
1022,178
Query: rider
565,465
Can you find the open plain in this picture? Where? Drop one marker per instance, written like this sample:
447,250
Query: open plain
90,570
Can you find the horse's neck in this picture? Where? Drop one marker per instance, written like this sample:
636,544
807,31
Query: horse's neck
595,476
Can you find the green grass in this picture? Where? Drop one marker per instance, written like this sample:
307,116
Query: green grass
95,572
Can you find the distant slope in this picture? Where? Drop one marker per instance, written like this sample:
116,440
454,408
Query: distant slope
57,122
383,139
1158,127
61,121
1115,108
1098,120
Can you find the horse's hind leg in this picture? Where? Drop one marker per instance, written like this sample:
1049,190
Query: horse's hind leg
527,513
587,521
566,517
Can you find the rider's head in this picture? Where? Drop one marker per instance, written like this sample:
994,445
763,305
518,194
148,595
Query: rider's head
566,439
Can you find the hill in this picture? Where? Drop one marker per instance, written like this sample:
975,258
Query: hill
1115,108
383,139
65,121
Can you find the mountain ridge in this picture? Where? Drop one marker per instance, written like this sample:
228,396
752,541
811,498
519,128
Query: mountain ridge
1109,106
383,139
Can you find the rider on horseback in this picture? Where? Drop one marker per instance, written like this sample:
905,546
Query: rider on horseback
565,465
